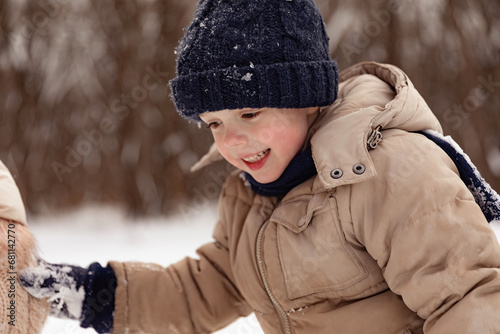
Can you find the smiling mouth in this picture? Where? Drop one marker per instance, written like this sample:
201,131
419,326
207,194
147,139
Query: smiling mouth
257,157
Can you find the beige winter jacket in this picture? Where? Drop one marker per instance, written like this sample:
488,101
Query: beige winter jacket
20,313
395,245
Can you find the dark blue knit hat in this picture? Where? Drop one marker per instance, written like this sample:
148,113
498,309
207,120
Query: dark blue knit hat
254,54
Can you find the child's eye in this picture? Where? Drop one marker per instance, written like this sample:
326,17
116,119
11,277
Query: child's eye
250,115
213,125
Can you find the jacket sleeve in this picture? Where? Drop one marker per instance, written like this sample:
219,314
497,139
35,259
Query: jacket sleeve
19,311
191,296
11,203
430,238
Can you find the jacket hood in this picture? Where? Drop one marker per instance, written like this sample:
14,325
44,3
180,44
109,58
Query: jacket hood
371,96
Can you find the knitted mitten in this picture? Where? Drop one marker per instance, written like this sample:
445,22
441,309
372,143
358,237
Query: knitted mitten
82,294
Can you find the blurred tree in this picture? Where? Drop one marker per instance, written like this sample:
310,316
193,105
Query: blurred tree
85,113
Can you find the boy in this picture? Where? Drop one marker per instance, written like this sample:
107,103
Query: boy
340,218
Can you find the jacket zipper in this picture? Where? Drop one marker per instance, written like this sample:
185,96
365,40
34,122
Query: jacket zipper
264,280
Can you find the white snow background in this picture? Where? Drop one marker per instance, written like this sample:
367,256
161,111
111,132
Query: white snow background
97,233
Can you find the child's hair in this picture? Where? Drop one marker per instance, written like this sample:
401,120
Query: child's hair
254,54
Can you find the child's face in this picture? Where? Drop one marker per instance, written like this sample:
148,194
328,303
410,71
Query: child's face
261,142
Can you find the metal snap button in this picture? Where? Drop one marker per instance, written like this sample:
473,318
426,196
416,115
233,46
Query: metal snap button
336,173
358,169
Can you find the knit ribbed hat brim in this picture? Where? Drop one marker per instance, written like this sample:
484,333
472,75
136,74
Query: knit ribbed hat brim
279,85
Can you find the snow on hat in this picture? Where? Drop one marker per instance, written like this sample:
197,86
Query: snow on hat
254,54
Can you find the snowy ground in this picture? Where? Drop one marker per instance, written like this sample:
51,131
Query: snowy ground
103,234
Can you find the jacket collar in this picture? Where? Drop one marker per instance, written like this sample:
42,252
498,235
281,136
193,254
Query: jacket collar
371,95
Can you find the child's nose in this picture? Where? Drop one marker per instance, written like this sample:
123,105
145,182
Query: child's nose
234,138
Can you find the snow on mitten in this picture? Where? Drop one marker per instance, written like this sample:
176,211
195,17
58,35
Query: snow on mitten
83,294
61,284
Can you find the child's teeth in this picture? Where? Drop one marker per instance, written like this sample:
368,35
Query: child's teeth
256,157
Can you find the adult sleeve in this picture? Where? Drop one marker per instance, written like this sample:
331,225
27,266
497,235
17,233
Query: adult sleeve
19,311
11,203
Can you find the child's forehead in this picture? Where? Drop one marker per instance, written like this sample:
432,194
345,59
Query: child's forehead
284,112
231,112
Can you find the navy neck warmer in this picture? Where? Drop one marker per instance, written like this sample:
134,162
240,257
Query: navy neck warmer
300,169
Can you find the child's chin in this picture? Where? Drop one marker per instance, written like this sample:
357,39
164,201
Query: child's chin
264,178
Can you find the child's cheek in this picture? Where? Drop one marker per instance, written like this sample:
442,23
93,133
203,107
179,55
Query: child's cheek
272,129
227,156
